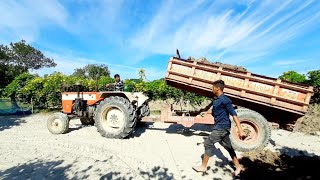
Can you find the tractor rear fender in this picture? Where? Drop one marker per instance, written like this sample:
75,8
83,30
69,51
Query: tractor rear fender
133,97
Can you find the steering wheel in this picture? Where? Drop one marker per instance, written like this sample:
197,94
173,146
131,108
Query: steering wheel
109,88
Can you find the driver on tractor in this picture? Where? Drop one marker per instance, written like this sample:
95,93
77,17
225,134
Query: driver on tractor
119,85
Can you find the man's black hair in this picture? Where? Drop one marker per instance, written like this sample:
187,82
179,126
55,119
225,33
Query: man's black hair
116,75
219,84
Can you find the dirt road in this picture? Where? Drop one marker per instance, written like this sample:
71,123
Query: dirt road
159,151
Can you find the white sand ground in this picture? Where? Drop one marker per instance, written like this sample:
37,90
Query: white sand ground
159,151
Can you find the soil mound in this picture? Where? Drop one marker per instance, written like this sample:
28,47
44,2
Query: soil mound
266,164
224,65
310,123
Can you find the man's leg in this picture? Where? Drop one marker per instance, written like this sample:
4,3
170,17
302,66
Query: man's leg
226,143
208,146
238,166
204,164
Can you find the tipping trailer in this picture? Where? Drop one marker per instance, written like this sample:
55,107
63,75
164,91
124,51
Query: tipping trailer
260,101
197,77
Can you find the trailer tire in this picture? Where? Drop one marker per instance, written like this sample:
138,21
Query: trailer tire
86,121
145,110
255,126
58,123
115,117
142,112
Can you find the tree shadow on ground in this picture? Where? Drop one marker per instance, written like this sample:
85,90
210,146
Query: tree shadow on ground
36,170
221,162
155,173
7,122
265,164
41,169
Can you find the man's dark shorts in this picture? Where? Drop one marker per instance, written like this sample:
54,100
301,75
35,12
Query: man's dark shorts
221,136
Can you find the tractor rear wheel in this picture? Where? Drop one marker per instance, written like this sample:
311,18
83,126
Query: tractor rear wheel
256,128
58,123
115,117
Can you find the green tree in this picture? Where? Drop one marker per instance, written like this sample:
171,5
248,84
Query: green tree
15,87
158,89
314,80
293,76
18,58
79,72
142,74
28,57
33,93
92,71
52,88
7,71
129,85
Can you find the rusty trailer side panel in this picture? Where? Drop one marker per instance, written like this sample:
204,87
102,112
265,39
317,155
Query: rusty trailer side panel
197,77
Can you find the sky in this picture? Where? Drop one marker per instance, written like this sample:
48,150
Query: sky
267,37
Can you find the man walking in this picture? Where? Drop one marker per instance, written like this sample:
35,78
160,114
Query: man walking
222,107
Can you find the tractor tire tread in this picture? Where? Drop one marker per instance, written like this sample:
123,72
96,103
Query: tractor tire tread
129,122
65,123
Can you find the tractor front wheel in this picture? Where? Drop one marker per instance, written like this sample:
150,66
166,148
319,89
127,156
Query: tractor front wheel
58,123
115,117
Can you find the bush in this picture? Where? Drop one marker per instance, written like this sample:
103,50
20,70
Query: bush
159,90
15,87
314,80
33,93
293,76
52,86
46,91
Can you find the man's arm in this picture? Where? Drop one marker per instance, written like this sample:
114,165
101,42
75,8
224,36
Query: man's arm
233,113
240,130
110,84
208,112
209,108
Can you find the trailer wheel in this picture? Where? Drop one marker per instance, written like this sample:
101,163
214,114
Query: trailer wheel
145,110
58,123
115,117
87,121
142,112
256,128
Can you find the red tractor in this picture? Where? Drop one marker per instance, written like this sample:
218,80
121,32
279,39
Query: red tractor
114,113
